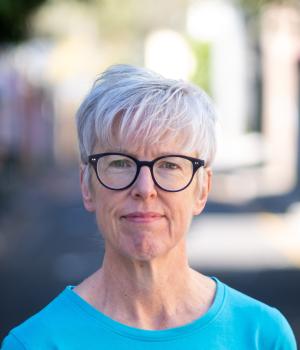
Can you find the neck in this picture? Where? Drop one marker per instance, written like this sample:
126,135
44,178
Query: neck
145,277
160,293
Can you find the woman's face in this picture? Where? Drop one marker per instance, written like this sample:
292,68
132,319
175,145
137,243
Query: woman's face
143,221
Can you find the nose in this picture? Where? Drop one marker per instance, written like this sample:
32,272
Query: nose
144,187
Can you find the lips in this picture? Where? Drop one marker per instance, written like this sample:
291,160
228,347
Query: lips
143,217
149,214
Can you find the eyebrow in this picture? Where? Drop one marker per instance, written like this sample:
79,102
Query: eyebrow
122,150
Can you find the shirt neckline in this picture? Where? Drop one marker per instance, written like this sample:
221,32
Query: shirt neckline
151,335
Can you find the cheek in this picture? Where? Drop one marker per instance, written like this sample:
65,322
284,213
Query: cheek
101,220
105,211
181,213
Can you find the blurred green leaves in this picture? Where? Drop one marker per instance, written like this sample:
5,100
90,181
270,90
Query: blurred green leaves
115,17
14,16
253,7
202,54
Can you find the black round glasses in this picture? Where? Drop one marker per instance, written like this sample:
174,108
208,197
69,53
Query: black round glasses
118,171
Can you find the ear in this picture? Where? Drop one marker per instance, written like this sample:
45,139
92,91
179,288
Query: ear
202,191
87,195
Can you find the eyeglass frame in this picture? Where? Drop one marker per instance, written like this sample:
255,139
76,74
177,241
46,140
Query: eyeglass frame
196,162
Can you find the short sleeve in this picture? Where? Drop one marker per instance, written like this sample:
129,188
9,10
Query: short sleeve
12,343
285,339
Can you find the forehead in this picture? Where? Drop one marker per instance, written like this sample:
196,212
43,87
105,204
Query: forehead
142,148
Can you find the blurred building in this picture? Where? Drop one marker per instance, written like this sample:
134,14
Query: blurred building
254,82
280,45
26,108
258,150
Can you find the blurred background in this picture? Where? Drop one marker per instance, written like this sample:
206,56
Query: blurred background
244,53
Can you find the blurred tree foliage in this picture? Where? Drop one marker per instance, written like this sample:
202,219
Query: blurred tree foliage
115,16
14,15
121,26
202,53
254,6
137,17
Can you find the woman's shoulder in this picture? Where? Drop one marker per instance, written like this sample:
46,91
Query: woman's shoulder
244,303
264,320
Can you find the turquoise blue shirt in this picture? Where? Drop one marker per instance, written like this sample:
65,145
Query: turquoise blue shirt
235,321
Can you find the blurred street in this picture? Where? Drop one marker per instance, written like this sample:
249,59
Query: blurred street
48,241
246,241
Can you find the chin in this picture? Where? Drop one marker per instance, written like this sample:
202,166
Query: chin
145,245
147,251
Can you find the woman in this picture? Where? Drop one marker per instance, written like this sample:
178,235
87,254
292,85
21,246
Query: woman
146,146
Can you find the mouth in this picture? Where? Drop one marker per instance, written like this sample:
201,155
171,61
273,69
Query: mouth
138,217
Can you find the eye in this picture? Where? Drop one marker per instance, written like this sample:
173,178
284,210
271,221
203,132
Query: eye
168,165
120,163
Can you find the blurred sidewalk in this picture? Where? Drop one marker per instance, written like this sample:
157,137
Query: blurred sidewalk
246,241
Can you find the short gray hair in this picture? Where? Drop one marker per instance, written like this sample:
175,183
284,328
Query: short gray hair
145,108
